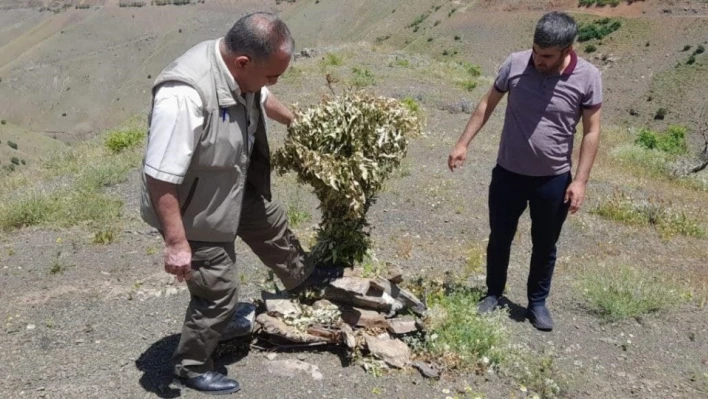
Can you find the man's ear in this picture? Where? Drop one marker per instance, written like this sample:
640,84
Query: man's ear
242,61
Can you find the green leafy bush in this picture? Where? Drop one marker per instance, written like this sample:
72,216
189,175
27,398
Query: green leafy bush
673,141
362,77
598,29
345,148
120,140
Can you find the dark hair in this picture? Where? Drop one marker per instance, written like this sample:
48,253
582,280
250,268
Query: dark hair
555,29
259,35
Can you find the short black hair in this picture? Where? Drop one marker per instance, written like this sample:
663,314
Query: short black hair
259,35
555,29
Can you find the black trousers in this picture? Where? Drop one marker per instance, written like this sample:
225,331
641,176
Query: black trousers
509,194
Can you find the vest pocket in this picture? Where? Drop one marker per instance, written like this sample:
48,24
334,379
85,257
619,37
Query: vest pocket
190,195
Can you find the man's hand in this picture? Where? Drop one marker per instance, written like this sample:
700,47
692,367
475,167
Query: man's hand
575,194
457,157
178,260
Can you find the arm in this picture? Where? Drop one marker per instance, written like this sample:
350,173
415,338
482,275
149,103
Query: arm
174,130
277,111
479,118
178,254
588,150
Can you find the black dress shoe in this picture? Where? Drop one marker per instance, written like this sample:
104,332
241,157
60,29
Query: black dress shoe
211,383
540,317
319,276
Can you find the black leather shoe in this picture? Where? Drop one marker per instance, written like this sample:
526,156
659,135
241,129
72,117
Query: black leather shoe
319,276
211,383
488,304
540,317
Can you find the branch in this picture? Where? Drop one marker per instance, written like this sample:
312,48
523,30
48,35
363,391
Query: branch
698,168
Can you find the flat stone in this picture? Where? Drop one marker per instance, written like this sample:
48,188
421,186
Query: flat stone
279,305
401,295
322,304
273,326
354,285
364,318
293,368
347,336
392,351
394,274
427,370
402,326
371,299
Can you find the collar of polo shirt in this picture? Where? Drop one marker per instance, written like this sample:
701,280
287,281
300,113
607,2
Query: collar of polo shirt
568,70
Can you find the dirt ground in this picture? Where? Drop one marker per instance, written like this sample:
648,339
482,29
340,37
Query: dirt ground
106,326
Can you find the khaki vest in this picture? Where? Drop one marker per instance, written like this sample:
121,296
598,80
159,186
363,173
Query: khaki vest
220,172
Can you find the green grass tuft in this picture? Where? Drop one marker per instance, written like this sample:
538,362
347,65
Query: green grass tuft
621,292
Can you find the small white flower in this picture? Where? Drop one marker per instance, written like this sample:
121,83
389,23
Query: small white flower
445,391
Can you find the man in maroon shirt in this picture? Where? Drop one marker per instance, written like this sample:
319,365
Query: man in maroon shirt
550,90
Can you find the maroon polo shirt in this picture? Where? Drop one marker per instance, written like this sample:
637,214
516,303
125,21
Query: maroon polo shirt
542,113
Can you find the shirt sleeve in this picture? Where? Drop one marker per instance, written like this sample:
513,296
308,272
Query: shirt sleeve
501,83
593,93
264,94
176,125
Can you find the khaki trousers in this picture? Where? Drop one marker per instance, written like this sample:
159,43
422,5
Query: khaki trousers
215,280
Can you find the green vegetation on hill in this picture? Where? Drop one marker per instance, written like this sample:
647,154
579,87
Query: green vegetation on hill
673,141
68,189
620,292
598,3
597,29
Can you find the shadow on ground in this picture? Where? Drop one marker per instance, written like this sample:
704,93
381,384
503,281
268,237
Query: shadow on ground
516,311
156,364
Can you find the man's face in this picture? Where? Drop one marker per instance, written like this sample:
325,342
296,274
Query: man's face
253,75
549,60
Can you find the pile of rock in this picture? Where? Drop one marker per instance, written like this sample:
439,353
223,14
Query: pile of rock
367,316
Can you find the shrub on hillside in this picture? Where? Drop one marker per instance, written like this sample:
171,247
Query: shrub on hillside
599,3
345,148
121,140
362,77
699,50
672,141
12,144
598,29
590,48
123,3
661,113
15,161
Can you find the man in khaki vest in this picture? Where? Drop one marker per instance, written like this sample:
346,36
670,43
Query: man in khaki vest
206,180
